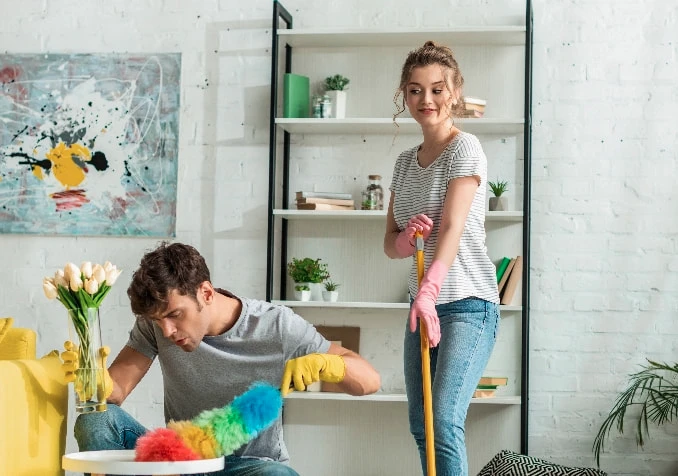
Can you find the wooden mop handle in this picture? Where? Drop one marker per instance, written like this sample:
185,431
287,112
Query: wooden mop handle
426,370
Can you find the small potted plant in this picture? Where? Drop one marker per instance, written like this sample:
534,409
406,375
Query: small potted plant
498,203
310,272
302,292
335,87
330,293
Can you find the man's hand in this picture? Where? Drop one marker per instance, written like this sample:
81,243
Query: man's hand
303,371
69,357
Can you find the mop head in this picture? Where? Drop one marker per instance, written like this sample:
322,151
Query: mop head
213,433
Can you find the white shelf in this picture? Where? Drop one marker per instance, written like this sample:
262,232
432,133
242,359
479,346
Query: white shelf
347,38
366,305
513,216
341,304
385,125
390,397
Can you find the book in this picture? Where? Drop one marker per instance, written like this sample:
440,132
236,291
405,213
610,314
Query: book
472,113
501,267
474,104
505,275
337,195
514,279
492,382
483,393
330,201
296,95
322,206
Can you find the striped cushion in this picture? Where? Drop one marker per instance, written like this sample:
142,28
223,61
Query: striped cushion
508,463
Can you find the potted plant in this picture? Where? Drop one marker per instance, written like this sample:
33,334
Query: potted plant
302,292
498,203
651,395
335,87
330,293
311,272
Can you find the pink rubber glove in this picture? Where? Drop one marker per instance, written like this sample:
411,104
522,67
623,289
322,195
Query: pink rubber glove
404,242
424,305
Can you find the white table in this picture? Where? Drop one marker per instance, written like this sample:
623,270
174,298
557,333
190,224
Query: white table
100,463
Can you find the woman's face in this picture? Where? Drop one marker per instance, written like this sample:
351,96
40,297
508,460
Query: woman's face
428,96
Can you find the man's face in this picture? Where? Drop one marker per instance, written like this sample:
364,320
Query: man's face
184,321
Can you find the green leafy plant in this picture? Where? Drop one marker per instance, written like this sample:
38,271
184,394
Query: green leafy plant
301,287
331,286
307,270
498,187
336,82
654,391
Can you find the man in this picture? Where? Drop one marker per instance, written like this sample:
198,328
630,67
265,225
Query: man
212,346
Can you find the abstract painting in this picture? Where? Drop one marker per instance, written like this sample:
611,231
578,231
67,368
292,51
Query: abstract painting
89,144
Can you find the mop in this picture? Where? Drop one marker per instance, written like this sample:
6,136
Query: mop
425,369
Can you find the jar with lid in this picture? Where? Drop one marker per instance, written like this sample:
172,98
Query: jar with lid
326,107
373,195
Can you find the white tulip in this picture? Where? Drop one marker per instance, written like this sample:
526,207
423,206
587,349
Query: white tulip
60,278
108,266
71,271
91,286
76,283
86,269
98,273
112,275
49,289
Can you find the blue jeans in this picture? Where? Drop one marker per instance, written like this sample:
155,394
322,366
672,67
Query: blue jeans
115,429
468,332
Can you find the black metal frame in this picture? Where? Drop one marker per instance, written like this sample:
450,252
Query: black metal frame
527,183
279,12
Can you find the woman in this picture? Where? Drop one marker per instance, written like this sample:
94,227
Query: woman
438,188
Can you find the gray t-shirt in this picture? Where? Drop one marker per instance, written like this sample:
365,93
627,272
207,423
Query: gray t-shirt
256,348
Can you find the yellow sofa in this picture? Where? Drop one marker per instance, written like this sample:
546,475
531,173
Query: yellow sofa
33,406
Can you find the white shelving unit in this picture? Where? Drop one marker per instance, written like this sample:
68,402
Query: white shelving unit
495,61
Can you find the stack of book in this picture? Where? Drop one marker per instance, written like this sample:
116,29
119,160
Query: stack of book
325,201
473,107
509,279
488,385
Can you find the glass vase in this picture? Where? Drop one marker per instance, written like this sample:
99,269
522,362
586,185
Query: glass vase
85,333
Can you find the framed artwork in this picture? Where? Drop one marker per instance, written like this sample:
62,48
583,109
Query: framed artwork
345,336
89,144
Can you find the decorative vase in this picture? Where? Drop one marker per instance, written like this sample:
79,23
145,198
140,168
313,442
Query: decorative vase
498,204
338,99
85,332
330,296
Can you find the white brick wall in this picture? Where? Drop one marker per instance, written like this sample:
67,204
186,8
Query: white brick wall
604,162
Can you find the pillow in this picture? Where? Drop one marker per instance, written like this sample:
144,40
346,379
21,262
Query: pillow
509,463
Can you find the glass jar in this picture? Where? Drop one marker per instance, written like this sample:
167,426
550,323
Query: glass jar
326,107
373,195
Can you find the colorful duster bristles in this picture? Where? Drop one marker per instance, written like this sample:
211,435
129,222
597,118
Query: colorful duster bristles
213,433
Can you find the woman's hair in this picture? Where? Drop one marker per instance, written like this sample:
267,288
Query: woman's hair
167,268
431,53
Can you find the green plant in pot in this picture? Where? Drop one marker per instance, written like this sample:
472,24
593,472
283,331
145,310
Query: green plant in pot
302,292
335,88
651,396
311,272
498,202
330,293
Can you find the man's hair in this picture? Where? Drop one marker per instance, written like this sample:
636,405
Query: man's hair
167,268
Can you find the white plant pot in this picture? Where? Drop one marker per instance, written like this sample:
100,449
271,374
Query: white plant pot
338,99
316,290
302,295
498,204
331,296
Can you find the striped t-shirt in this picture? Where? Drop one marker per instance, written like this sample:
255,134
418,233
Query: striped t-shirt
423,190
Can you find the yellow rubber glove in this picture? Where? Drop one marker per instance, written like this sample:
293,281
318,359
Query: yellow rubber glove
70,365
303,371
